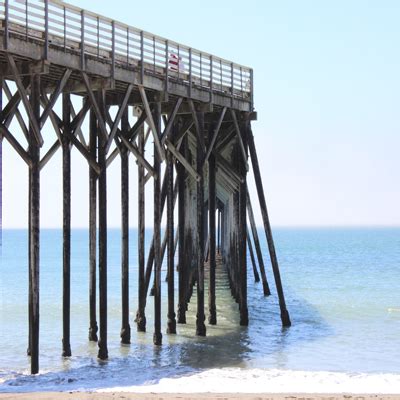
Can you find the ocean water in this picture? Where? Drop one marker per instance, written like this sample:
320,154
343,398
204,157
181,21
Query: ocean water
342,292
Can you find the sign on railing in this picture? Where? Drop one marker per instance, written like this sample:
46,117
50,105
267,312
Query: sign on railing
61,24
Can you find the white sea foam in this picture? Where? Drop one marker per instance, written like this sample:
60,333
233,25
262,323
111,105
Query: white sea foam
236,380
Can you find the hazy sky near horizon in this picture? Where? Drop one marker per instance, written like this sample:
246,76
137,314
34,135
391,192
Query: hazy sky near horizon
327,93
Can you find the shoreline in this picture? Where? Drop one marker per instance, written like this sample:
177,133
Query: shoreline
192,396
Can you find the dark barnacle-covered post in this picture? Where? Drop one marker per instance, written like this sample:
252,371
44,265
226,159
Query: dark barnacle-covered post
157,337
212,319
200,318
93,328
244,315
103,350
140,315
34,223
171,328
66,156
267,227
182,277
125,329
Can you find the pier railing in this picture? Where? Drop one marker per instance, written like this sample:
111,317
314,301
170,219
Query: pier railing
60,24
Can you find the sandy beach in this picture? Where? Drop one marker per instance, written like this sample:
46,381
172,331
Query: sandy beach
191,396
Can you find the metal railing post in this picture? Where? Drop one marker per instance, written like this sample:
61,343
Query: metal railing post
166,66
127,46
112,49
154,54
98,37
141,57
232,85
201,69
26,20
82,40
251,90
190,73
6,17
65,28
46,29
220,73
211,78
241,81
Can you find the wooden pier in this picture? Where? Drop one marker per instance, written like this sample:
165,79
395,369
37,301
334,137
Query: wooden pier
196,108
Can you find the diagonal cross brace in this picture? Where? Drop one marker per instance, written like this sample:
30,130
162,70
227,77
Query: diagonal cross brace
54,97
182,160
24,97
13,102
15,144
237,129
214,138
199,134
118,117
95,106
133,149
171,120
151,123
16,112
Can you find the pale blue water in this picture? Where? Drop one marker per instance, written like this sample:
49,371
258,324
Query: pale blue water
342,291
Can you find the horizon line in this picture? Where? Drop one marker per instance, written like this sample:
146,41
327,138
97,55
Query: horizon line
352,226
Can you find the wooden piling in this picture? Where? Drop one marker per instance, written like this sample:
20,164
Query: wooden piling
157,337
242,233
34,228
219,231
103,350
212,318
150,258
267,227
253,260
182,277
140,315
171,323
125,328
93,328
266,289
66,156
200,318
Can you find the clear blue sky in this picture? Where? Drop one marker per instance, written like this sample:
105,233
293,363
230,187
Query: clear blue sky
327,92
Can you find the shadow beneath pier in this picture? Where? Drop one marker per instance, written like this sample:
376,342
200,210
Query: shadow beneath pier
264,344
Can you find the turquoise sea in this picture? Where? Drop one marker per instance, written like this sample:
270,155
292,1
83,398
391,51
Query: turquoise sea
342,292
